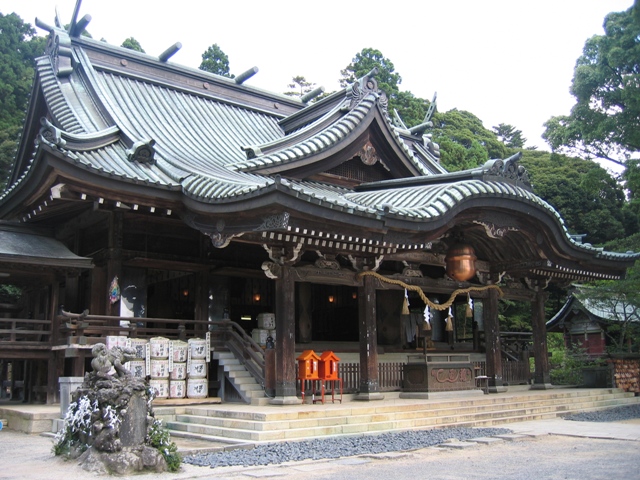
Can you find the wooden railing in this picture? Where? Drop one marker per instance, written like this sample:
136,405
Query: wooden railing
389,376
93,328
26,331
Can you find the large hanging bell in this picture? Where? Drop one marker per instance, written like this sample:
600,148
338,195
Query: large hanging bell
461,262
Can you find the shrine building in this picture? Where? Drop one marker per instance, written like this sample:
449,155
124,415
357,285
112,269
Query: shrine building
152,199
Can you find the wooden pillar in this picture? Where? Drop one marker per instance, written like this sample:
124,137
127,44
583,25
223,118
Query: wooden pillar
99,286
285,375
114,262
305,318
201,310
55,367
55,370
492,342
541,379
369,388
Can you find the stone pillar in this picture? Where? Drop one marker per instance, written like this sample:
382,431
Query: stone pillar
541,379
285,375
369,387
492,342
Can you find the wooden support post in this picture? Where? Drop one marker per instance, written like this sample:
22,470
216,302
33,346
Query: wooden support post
285,376
541,379
114,263
369,388
305,317
202,299
492,342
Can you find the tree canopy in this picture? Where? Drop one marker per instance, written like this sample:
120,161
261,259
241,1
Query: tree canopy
299,86
19,45
589,199
464,141
605,121
214,60
132,44
509,135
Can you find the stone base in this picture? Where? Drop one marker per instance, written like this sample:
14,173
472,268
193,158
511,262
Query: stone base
125,462
455,394
367,397
541,386
290,400
497,389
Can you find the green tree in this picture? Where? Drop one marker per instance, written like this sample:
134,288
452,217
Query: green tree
509,135
19,45
299,86
132,44
589,199
605,121
464,141
214,60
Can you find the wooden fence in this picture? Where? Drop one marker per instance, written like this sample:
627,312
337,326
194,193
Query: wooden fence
390,374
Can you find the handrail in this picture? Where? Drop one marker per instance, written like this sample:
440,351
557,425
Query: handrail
29,328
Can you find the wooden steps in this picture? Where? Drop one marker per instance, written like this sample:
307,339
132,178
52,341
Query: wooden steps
233,424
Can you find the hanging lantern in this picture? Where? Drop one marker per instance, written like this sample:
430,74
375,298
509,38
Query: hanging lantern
461,262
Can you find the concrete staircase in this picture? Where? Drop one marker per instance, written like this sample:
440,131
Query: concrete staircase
246,424
249,390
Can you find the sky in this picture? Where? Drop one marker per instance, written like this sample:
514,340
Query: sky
505,61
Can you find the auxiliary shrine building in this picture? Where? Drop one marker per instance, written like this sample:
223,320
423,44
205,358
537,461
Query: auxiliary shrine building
150,199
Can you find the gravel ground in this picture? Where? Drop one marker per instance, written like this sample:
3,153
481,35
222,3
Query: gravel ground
336,447
615,414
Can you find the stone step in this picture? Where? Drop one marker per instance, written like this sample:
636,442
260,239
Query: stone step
403,420
348,420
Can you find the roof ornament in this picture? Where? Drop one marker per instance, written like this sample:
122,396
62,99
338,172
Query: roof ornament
142,152
365,86
426,123
508,169
244,76
368,154
50,134
58,48
312,94
170,52
422,127
77,27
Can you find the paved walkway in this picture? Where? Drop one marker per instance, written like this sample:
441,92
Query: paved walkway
28,456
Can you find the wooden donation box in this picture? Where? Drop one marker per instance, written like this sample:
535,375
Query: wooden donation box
328,366
438,373
308,365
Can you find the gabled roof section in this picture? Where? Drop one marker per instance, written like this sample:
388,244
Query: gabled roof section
356,124
579,300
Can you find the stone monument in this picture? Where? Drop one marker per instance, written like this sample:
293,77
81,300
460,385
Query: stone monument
110,426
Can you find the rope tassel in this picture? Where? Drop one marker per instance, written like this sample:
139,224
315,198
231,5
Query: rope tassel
449,325
405,304
469,310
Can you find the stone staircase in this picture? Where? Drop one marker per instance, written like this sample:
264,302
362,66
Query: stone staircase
249,390
244,424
